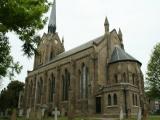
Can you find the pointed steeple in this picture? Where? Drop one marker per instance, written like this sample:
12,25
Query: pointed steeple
52,21
106,25
120,35
121,38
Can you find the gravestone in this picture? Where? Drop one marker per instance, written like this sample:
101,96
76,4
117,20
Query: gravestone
63,112
13,116
121,113
139,115
6,113
1,114
20,113
28,113
43,111
56,113
39,114
32,115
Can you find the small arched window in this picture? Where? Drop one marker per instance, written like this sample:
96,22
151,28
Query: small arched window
133,78
133,99
116,78
115,99
51,55
136,100
109,100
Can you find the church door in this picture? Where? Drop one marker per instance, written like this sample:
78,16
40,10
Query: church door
98,104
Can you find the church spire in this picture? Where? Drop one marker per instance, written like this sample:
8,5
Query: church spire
106,25
52,21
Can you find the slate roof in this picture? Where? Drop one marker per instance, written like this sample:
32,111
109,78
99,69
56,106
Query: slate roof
119,55
52,20
79,48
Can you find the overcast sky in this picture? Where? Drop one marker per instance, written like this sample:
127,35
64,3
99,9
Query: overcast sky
82,20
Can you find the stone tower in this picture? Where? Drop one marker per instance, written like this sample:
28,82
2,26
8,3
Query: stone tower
50,45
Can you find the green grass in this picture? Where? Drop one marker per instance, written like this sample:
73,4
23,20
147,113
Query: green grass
154,117
151,117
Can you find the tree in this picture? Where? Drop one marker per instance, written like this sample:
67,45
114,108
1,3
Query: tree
25,18
9,97
6,60
5,57
153,74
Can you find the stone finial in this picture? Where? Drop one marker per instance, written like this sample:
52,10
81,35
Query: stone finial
120,34
106,25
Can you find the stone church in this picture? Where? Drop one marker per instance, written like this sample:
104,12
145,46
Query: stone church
95,78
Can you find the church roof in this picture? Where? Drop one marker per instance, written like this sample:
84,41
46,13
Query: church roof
52,21
119,55
79,48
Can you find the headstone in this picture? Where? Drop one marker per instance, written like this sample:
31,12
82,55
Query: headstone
43,110
6,113
13,116
39,114
121,113
1,114
139,115
56,113
20,112
32,115
28,113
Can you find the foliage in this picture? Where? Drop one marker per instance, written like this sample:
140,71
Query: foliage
153,74
9,97
5,58
7,65
24,17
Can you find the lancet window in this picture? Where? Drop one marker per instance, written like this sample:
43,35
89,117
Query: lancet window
65,85
84,78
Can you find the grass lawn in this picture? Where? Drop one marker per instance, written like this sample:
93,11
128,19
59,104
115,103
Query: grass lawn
151,117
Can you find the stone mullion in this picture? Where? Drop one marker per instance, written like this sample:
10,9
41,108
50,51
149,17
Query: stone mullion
72,90
45,87
91,97
26,94
33,92
57,87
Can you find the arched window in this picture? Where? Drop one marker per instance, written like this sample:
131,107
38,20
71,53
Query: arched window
133,99
51,55
115,99
84,81
63,87
116,78
80,84
109,100
66,84
136,100
124,77
133,78
40,90
52,87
